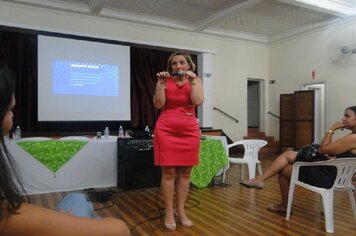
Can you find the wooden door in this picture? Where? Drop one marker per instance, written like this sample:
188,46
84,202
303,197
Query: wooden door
296,127
304,118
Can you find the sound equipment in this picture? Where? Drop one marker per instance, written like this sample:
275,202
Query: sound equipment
136,167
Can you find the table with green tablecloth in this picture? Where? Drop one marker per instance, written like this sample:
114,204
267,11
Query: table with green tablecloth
212,158
56,165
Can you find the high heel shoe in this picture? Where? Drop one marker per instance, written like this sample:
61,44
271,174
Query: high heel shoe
252,183
186,223
171,226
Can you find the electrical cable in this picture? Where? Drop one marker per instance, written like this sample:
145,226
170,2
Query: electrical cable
107,196
101,197
149,219
161,211
220,183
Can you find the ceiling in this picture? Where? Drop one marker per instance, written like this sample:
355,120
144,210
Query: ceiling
254,20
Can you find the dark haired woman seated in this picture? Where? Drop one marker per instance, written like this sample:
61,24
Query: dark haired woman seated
320,176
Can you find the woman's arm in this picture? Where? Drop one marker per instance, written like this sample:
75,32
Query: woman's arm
38,221
344,144
197,95
159,98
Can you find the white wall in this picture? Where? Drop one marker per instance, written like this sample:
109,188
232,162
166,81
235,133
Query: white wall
234,62
292,62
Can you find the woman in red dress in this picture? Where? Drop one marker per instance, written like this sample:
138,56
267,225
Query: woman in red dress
176,135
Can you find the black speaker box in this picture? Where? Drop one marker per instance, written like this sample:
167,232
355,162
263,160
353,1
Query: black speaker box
136,167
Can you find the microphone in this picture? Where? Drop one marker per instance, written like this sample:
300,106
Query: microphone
177,73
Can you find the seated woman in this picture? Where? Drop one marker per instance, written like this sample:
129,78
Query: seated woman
17,217
320,176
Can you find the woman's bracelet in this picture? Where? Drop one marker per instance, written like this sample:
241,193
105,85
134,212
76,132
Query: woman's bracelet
193,82
330,131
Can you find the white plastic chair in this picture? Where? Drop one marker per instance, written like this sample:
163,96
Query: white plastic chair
346,167
250,158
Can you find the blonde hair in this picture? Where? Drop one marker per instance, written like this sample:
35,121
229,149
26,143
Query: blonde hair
185,55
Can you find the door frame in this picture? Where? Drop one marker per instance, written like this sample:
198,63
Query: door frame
319,109
261,102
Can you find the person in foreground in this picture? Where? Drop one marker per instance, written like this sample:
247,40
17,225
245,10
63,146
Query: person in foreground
176,133
319,176
17,216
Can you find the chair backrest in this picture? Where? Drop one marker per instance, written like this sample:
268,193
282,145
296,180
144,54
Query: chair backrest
346,168
251,146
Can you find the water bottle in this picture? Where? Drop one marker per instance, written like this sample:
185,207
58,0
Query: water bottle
121,132
106,133
17,133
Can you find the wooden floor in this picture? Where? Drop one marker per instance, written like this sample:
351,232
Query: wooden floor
229,210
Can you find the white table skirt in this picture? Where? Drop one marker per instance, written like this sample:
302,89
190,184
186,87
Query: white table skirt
94,166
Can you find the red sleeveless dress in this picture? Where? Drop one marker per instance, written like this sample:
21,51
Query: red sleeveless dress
176,133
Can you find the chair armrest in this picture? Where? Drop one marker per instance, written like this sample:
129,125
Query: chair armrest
315,163
234,144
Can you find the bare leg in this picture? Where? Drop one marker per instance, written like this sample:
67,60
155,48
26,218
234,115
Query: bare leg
284,160
182,193
284,182
167,185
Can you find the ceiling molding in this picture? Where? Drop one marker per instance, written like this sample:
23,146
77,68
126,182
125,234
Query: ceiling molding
96,6
145,19
317,8
304,29
45,4
227,10
237,35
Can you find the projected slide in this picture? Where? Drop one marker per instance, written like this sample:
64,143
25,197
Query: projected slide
81,78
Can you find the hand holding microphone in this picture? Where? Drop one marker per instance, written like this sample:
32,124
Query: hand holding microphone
162,76
178,73
188,74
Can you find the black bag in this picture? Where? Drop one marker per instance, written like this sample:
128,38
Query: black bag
310,153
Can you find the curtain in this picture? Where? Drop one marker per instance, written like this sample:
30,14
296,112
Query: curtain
19,52
145,64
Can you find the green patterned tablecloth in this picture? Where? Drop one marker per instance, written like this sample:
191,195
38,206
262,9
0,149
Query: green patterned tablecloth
52,153
212,158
